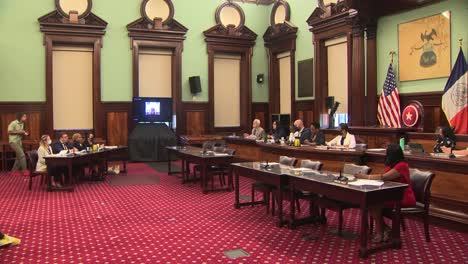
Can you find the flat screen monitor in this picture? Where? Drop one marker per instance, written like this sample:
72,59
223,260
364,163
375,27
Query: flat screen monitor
152,110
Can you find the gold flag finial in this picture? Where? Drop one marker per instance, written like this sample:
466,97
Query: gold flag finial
461,43
392,53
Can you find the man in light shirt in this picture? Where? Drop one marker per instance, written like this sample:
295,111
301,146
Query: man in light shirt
257,131
346,139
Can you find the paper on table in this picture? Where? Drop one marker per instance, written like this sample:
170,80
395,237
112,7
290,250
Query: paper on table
221,154
304,169
361,182
269,163
376,149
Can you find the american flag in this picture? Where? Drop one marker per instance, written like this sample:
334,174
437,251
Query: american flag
388,111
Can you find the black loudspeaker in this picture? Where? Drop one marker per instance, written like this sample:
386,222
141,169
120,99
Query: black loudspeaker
260,78
329,101
334,108
195,84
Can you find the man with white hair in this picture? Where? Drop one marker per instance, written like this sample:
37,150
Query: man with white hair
257,131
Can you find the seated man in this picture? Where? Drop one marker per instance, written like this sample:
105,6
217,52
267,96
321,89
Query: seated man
317,137
257,131
345,139
61,144
302,132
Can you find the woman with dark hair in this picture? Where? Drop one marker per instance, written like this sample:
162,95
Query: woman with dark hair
317,137
345,138
446,138
89,142
396,170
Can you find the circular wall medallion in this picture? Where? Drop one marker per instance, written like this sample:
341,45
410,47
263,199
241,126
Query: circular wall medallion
280,13
410,116
151,9
230,14
83,7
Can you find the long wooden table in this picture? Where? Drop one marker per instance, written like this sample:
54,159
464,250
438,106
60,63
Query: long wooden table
363,196
196,155
70,160
449,200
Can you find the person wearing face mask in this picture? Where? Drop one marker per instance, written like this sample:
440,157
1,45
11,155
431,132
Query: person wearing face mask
302,132
317,137
46,150
345,139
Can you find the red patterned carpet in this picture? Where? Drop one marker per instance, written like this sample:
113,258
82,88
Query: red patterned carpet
175,223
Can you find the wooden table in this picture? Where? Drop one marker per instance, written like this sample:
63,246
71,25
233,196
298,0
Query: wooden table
274,175
364,196
449,199
195,155
78,159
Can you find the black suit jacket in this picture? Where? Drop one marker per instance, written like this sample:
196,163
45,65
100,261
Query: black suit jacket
319,138
305,134
79,146
57,146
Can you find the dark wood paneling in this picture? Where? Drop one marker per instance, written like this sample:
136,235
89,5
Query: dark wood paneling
117,128
433,114
193,119
35,124
195,123
260,111
305,111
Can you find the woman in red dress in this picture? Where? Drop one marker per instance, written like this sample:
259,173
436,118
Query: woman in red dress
396,170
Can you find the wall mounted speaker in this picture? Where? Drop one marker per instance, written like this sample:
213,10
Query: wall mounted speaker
260,78
329,101
195,84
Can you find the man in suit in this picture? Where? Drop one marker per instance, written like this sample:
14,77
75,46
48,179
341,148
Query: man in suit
302,132
61,144
257,131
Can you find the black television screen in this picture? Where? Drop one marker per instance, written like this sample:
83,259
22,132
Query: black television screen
152,109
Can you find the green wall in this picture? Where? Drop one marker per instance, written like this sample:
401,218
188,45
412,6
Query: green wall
387,40
22,62
22,69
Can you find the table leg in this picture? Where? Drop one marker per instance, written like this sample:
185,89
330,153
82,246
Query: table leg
230,187
396,239
204,178
183,171
292,209
169,165
363,251
236,188
71,177
280,206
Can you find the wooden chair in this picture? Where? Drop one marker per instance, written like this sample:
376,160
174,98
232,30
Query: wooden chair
267,189
32,157
421,182
338,206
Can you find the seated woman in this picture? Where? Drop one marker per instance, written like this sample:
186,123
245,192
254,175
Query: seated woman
396,170
276,132
89,142
345,139
317,137
43,151
78,142
446,138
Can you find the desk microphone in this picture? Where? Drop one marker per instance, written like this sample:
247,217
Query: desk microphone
452,146
266,166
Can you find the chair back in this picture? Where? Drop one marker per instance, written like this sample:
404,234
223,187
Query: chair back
32,158
209,145
313,165
219,149
421,182
352,169
288,161
231,152
361,147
